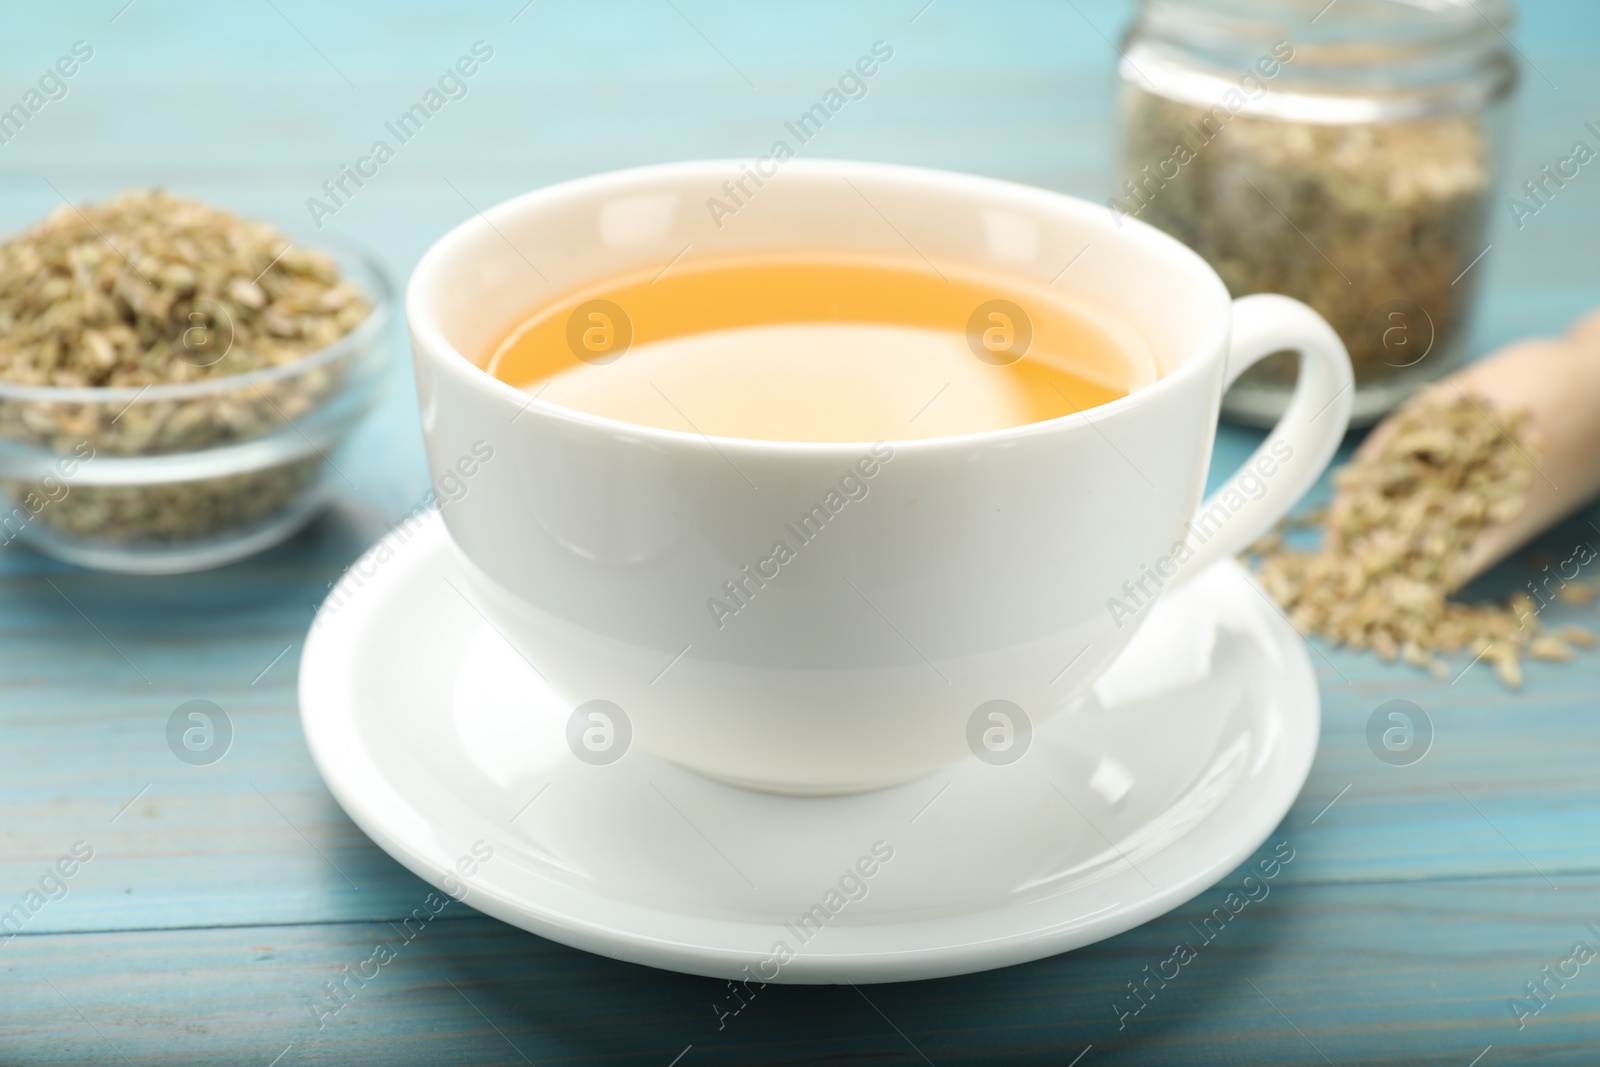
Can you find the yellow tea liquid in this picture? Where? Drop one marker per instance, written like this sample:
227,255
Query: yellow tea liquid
816,346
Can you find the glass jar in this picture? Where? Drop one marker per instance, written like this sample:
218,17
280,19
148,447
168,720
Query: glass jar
1344,153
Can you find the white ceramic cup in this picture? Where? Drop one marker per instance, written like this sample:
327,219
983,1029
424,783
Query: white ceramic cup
1010,565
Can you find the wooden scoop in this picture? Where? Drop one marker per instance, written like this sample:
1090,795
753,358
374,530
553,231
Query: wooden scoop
1556,381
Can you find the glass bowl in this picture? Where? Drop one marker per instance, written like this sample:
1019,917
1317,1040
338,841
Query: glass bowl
170,478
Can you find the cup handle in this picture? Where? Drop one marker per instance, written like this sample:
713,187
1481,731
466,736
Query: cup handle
1294,454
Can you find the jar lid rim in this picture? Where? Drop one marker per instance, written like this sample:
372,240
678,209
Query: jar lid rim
1318,20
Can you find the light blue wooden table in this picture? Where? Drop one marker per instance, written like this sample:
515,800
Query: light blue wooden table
218,899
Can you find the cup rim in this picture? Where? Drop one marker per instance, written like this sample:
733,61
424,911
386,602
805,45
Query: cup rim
430,343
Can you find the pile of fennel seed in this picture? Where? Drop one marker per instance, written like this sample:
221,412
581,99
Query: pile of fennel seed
150,289
1397,538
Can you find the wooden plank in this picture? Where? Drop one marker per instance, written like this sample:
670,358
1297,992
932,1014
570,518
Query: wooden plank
1387,974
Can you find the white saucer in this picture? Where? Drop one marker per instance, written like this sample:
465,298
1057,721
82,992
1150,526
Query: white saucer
445,746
